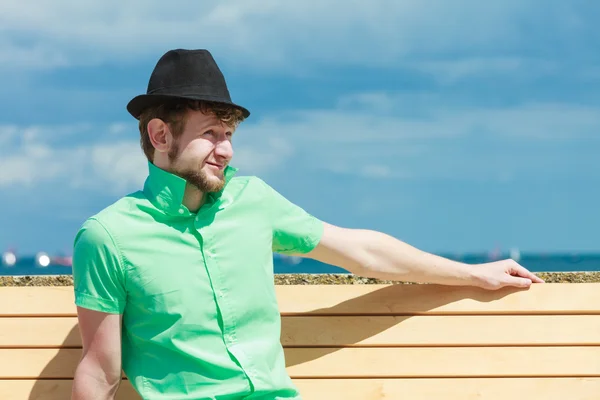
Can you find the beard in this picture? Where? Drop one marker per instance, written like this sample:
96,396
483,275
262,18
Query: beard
195,176
200,180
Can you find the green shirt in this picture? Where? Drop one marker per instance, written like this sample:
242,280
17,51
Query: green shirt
196,290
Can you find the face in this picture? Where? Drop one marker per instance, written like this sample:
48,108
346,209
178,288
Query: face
202,152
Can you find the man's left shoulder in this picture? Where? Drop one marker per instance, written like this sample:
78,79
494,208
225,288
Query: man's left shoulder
246,184
245,180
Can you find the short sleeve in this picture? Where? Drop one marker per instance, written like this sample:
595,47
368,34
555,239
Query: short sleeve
97,271
294,229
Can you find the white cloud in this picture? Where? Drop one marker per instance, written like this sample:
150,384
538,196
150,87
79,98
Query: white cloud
35,56
541,121
377,171
375,102
36,158
430,116
33,155
345,140
385,144
287,36
118,128
31,164
387,126
453,70
7,134
120,166
262,157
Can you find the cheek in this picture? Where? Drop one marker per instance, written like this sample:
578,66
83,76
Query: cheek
197,149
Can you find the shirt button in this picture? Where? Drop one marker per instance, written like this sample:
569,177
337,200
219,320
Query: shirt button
181,211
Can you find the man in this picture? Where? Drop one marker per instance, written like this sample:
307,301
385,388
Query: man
174,283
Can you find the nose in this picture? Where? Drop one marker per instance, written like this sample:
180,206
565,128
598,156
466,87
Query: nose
224,149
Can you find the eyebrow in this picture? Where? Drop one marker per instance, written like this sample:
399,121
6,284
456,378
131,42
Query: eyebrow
212,128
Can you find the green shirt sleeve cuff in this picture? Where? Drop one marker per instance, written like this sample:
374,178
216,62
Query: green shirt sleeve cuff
313,240
98,304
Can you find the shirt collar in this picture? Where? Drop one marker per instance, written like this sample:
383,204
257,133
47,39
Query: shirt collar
166,190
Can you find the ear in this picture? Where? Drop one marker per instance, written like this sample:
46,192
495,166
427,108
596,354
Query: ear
160,135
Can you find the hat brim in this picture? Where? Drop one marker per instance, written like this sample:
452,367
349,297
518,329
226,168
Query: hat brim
139,103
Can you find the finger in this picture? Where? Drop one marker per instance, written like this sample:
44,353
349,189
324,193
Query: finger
525,273
518,281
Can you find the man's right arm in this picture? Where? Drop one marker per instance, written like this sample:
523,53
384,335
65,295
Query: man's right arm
100,297
99,371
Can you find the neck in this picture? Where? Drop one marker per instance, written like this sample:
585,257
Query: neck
193,198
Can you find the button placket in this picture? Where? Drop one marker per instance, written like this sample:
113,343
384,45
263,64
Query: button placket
227,310
218,285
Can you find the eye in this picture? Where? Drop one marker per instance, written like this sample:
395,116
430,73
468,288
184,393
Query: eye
208,132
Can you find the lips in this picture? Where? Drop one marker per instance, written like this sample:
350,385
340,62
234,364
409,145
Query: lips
215,165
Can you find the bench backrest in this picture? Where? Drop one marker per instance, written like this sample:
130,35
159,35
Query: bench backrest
363,342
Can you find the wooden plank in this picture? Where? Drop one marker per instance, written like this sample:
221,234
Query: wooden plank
52,389
37,301
38,363
548,298
366,389
451,389
364,362
39,332
411,362
22,332
41,363
441,330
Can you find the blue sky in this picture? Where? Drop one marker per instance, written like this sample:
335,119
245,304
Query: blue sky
455,126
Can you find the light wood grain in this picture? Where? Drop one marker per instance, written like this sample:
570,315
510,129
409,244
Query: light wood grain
366,389
37,301
360,331
52,389
39,332
441,330
366,342
364,362
443,362
555,299
450,389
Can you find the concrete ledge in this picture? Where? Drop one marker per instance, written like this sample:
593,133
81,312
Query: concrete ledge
300,279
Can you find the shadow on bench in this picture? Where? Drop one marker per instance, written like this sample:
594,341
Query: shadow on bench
364,342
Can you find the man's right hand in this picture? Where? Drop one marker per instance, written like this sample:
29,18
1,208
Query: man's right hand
498,274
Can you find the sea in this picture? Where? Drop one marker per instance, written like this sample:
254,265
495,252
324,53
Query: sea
42,264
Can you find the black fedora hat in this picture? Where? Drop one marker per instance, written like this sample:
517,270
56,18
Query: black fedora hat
184,74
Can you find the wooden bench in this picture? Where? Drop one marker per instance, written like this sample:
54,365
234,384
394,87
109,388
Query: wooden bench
363,342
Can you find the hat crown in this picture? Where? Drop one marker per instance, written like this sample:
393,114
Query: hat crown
195,70
182,74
